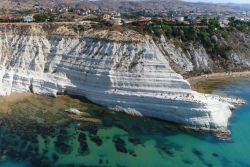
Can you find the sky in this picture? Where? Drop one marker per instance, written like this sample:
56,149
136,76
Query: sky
222,1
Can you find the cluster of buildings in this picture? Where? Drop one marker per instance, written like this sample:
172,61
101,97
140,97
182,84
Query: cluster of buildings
193,19
113,18
225,21
244,17
189,20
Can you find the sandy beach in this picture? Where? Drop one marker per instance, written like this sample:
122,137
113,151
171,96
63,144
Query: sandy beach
196,81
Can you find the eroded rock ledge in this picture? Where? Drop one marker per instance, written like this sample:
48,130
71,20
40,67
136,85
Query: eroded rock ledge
134,77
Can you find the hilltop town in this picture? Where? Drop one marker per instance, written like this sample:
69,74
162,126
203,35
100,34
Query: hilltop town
118,12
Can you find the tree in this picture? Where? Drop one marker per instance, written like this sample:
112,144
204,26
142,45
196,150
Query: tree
157,32
205,39
204,21
231,19
214,23
189,33
40,17
168,31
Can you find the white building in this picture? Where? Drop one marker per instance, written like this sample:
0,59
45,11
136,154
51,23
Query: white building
116,21
180,19
224,23
28,19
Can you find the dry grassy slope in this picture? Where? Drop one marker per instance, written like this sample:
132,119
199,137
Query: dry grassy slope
70,29
22,4
28,4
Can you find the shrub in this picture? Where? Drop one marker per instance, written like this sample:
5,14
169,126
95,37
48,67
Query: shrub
42,17
168,31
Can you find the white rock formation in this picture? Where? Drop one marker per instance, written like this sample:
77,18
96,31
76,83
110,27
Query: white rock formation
195,58
73,111
176,55
240,60
134,77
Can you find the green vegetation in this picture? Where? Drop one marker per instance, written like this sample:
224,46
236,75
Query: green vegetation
100,23
7,20
240,25
42,17
208,32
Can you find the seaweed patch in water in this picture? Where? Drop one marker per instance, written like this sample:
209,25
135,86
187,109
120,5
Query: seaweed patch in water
215,155
97,140
84,149
134,141
120,145
200,156
187,162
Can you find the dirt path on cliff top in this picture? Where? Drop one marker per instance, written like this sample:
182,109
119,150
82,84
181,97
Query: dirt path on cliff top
195,81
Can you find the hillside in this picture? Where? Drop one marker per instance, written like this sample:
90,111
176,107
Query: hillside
118,5
207,48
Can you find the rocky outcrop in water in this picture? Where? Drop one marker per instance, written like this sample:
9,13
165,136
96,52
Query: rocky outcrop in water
133,75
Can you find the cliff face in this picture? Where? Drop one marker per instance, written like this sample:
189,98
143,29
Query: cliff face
195,60
133,75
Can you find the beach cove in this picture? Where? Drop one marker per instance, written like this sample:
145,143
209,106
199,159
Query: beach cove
129,140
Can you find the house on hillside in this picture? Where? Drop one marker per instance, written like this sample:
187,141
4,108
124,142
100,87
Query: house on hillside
117,21
106,17
114,19
180,19
28,19
196,22
224,23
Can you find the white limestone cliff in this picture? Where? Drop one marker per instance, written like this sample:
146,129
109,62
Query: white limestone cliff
134,77
193,59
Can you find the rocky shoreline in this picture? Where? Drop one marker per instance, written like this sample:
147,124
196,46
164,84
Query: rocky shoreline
195,81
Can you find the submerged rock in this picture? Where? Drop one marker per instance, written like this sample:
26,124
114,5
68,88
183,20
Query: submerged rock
97,140
84,148
134,141
120,145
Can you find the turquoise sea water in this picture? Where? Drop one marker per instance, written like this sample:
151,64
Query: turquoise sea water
28,137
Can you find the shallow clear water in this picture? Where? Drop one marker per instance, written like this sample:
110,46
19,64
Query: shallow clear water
37,132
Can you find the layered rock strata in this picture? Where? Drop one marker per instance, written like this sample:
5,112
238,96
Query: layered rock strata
130,76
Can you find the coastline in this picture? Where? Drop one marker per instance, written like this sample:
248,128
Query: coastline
210,81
